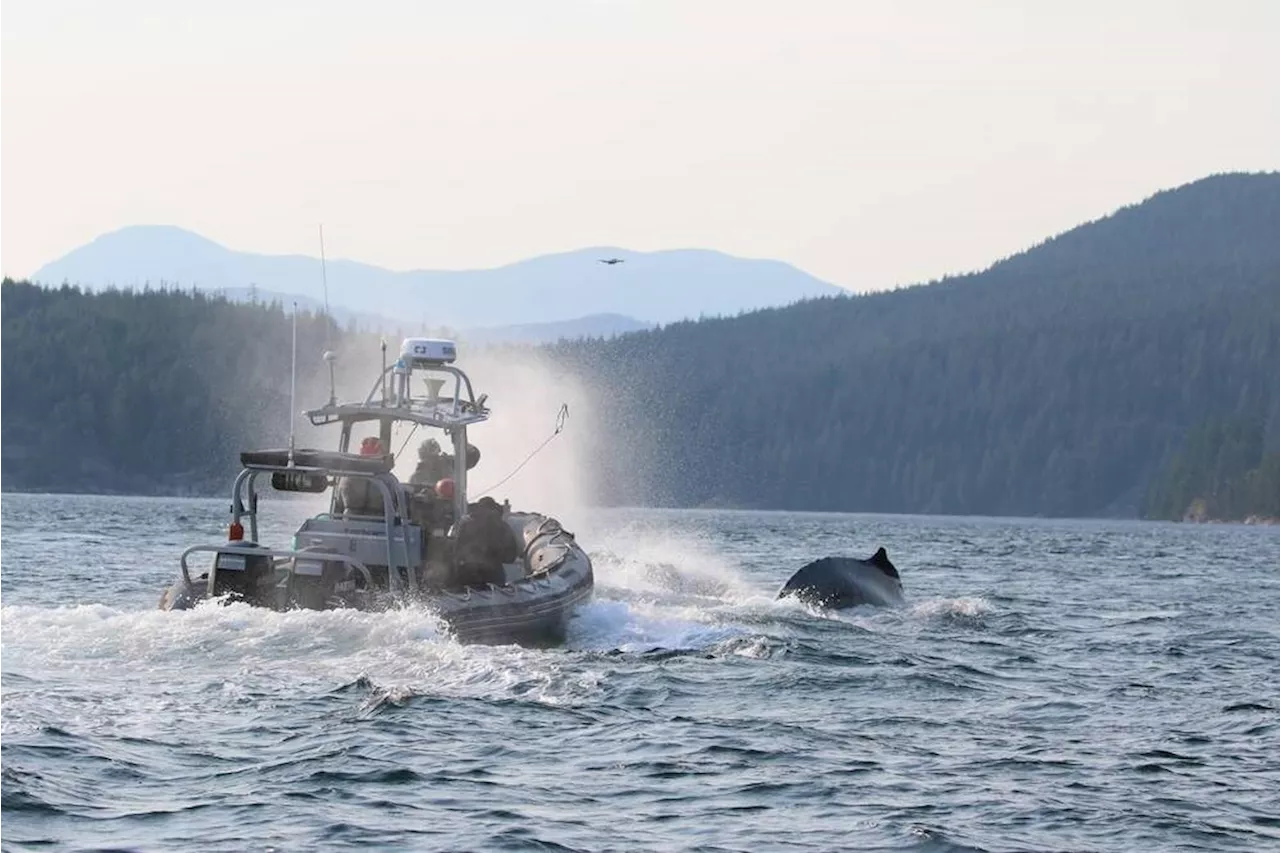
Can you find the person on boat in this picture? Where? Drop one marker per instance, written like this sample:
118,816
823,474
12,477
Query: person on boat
485,542
433,466
356,495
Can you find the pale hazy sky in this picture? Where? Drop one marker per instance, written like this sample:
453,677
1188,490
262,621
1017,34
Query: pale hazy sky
870,143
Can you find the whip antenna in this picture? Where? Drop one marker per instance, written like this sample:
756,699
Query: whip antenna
293,381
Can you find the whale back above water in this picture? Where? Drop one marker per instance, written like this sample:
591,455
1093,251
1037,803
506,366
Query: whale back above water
840,582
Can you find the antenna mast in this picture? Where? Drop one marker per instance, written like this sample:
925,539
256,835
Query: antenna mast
329,355
293,381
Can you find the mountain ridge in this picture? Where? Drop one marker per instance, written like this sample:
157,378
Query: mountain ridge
651,287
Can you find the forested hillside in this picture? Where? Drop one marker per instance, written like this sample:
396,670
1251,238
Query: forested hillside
1126,367
1061,381
141,391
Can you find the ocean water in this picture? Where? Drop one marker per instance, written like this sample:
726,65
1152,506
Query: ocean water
1051,685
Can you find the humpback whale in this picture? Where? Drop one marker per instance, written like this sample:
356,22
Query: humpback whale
840,582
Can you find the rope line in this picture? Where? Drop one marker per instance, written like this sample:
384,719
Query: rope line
406,440
561,417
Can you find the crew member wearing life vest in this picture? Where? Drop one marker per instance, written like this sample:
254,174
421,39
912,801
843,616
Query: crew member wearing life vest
357,495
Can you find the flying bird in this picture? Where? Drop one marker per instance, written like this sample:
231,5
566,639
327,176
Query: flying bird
612,261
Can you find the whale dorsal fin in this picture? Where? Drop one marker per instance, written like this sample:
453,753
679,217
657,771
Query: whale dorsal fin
880,559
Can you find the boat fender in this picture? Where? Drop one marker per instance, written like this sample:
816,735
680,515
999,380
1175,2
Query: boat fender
547,528
538,537
554,563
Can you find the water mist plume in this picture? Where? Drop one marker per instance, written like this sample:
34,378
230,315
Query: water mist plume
525,394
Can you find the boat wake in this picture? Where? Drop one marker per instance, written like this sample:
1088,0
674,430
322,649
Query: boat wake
661,566
659,592
655,597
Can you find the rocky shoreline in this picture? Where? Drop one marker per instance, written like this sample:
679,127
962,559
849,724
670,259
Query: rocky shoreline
1198,513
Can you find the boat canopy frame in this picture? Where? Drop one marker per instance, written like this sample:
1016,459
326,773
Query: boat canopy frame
397,403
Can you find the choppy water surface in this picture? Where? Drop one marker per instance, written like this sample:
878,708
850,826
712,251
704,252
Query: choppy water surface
1052,686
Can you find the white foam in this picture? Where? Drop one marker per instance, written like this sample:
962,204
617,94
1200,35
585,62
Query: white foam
648,559
669,590
241,649
965,607
606,625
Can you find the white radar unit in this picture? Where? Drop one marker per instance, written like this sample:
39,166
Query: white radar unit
427,352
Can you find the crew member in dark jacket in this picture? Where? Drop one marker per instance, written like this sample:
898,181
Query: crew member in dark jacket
433,466
485,542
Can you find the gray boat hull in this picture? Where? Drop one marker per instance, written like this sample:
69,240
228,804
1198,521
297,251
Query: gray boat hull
534,609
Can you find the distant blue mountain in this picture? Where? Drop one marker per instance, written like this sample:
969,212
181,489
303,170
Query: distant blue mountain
592,326
652,287
345,317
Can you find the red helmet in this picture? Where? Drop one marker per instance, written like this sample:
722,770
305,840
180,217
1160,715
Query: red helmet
444,488
371,446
